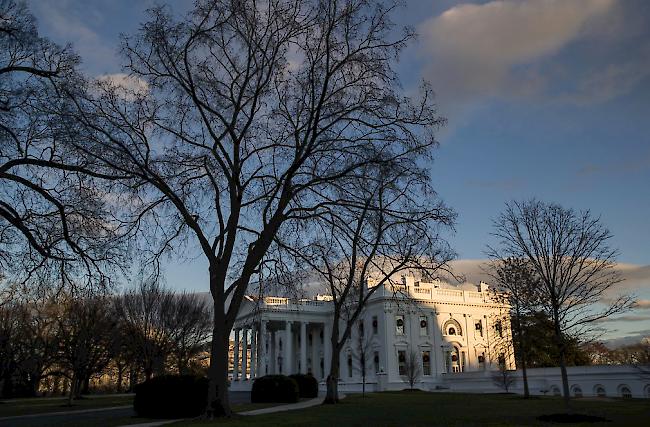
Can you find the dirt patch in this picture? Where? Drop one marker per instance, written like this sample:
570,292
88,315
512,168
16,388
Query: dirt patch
572,418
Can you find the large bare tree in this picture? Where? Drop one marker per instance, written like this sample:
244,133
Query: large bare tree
571,254
54,222
386,222
252,112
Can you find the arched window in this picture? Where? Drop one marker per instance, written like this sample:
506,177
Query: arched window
646,391
576,391
599,391
624,391
452,327
555,390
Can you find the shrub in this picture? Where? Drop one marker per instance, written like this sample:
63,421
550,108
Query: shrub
307,385
274,388
171,396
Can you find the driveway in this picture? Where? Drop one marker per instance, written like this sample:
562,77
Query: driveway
94,418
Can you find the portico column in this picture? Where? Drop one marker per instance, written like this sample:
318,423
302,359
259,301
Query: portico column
253,367
327,351
303,348
244,352
274,357
315,353
288,350
235,359
262,356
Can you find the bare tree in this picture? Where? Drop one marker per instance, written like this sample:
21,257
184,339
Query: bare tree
251,115
187,321
517,286
86,332
412,369
362,354
504,377
386,223
571,255
54,221
141,313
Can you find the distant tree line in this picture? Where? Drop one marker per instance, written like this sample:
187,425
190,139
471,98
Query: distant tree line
62,343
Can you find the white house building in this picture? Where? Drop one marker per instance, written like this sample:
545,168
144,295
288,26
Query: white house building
451,330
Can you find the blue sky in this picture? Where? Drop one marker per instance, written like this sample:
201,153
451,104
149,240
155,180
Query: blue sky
544,98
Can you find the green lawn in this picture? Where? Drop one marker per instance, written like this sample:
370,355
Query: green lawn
426,409
38,405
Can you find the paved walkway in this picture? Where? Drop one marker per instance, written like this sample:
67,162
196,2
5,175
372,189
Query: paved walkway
290,407
282,408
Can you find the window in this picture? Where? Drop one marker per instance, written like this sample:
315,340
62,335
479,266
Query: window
555,390
426,363
375,360
399,325
577,391
452,327
349,365
600,391
361,328
625,392
502,359
498,327
375,325
424,327
401,362
479,328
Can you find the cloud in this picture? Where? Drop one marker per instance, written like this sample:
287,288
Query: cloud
636,277
128,87
479,50
68,24
642,304
614,80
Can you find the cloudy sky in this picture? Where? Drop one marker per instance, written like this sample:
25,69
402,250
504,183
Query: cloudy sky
544,98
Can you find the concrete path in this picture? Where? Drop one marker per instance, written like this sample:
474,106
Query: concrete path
290,407
282,408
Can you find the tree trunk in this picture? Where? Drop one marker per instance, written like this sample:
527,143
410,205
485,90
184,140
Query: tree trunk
218,404
120,375
332,395
565,377
73,389
522,347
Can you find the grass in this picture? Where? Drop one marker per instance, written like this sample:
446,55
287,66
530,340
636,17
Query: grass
38,405
427,409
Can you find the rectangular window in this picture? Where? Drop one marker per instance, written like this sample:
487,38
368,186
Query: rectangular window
479,328
499,328
350,366
361,328
399,324
426,363
401,362
375,325
376,361
424,327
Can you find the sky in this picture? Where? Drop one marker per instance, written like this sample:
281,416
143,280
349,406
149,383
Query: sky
544,98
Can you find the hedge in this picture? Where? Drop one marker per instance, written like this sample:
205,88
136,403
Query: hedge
274,388
307,385
171,396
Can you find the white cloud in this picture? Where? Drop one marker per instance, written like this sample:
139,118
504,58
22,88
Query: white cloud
472,49
127,87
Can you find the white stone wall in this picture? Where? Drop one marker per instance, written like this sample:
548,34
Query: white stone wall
547,381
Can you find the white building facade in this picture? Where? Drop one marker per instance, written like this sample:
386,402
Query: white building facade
447,330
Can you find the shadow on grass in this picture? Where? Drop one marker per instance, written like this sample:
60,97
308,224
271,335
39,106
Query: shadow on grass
571,418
